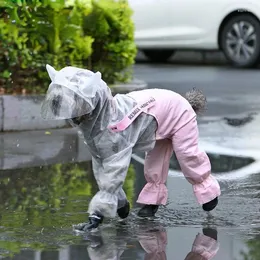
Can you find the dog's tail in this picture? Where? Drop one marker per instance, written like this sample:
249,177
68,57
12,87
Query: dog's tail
197,100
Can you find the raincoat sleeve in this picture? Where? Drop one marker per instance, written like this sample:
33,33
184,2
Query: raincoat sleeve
110,173
195,163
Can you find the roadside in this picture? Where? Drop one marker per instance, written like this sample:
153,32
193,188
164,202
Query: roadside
22,112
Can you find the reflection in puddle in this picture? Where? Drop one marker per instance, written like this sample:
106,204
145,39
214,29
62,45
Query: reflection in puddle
148,241
220,163
150,244
39,205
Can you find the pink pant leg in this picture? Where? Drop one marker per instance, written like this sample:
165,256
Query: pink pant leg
195,163
156,168
203,248
154,244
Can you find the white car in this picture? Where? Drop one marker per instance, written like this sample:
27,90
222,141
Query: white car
232,26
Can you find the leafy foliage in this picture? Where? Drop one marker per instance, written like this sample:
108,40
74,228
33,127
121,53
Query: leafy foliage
97,35
113,48
48,200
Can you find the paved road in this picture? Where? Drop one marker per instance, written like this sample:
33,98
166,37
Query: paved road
229,91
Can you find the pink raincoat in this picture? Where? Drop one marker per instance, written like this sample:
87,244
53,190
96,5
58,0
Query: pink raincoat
177,132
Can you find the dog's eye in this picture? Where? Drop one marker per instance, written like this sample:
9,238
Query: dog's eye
76,120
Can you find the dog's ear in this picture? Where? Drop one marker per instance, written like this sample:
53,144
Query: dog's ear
51,71
89,85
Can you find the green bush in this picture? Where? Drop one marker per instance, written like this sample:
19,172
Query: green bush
114,50
97,35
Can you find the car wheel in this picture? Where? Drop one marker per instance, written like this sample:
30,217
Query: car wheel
158,55
240,41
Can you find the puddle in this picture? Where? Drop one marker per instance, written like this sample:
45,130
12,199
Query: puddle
40,204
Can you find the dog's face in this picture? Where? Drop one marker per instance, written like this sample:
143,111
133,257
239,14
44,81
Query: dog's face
63,103
74,93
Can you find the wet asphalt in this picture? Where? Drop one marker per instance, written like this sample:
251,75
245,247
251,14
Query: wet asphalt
47,191
229,91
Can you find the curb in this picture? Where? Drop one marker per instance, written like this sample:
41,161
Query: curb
134,85
22,112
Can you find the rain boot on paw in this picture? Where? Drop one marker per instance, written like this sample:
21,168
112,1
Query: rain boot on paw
148,211
94,221
210,205
124,211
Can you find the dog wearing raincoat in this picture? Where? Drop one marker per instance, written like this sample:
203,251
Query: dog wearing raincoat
155,121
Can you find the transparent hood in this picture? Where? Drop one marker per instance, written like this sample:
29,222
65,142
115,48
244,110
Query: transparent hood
73,92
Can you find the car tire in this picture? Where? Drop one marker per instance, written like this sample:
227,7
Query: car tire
158,55
240,41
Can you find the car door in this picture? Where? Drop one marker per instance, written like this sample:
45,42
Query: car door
151,19
193,21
